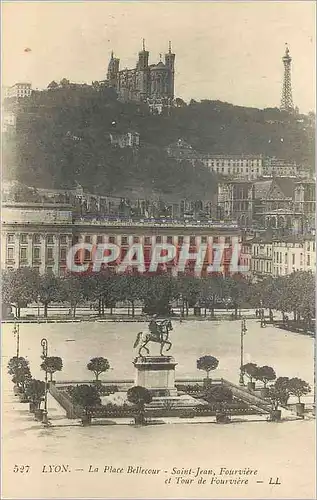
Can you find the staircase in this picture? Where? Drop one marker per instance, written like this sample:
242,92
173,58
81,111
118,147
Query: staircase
261,404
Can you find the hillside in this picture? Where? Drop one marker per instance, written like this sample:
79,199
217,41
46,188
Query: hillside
63,137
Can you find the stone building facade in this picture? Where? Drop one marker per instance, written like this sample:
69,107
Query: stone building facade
152,83
40,235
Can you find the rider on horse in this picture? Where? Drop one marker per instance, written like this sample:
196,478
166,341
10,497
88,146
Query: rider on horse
155,328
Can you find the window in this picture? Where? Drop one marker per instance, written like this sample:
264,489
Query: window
169,239
204,239
23,253
136,239
308,246
180,240
147,240
10,238
50,239
36,253
75,240
10,253
308,260
313,246
63,253
159,239
87,239
293,260
87,255
36,239
112,239
99,238
49,270
24,238
63,239
124,240
49,253
192,240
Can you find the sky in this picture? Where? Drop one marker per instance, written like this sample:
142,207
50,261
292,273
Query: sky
229,51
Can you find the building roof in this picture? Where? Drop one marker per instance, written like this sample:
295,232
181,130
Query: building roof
261,188
159,65
287,185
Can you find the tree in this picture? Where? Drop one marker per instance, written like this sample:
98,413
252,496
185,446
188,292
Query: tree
53,85
211,290
130,287
52,364
64,82
157,292
189,289
236,289
282,385
251,370
180,103
219,394
72,288
50,290
19,287
277,396
265,374
139,396
86,396
207,363
98,366
15,364
35,391
298,387
19,368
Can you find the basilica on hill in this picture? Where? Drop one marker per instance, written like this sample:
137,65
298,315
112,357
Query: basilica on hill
150,83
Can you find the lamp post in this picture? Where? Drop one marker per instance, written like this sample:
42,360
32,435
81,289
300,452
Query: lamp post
44,344
16,333
38,308
242,333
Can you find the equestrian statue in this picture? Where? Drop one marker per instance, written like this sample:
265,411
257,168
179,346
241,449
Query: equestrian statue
158,332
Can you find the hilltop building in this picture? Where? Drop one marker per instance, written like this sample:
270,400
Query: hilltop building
18,90
151,83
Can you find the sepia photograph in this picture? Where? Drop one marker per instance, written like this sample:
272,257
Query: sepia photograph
158,250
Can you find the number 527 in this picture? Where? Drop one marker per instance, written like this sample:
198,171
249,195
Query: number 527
21,468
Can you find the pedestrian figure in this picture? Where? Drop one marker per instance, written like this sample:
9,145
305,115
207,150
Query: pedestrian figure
256,313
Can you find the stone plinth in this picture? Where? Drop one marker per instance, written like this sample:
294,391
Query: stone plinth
156,373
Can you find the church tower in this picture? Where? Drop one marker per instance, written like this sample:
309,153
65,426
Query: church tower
113,71
170,64
143,72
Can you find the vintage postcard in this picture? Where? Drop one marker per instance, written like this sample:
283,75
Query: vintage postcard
158,251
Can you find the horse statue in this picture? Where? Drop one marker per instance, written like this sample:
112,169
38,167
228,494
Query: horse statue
159,333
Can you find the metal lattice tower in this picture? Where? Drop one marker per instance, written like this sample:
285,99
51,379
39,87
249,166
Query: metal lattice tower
287,99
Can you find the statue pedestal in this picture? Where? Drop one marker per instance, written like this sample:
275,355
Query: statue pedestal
157,374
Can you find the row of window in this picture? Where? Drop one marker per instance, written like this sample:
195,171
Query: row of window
260,265
278,258
37,238
148,239
238,170
36,253
239,163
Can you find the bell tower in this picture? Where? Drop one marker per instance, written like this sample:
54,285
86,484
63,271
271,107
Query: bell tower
113,71
143,62
170,64
143,72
